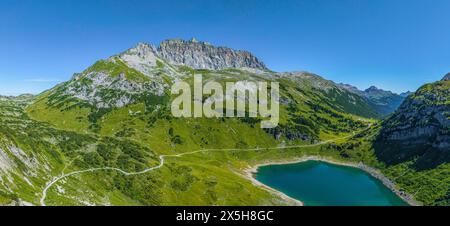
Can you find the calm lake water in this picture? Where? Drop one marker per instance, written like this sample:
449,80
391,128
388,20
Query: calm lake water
322,184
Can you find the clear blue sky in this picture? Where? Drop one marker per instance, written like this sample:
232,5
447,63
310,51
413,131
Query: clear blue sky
394,44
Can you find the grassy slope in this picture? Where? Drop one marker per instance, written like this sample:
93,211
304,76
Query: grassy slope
211,178
175,183
205,178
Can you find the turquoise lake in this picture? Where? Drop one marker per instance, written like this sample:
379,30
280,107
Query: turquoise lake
322,184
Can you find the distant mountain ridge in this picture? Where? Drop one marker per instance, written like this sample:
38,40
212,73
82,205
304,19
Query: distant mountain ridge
382,101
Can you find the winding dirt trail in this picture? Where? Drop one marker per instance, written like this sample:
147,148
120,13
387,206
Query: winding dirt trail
161,163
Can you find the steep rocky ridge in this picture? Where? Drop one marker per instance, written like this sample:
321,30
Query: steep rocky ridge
202,55
419,129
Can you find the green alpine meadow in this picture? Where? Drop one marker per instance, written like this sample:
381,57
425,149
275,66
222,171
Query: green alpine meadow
107,136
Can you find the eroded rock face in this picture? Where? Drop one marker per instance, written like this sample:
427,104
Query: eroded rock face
105,91
142,57
11,156
192,53
201,55
420,128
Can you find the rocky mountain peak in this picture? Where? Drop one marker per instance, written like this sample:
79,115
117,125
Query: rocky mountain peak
446,77
373,89
351,88
202,55
192,53
141,54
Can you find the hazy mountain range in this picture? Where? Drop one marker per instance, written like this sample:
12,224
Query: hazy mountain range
382,101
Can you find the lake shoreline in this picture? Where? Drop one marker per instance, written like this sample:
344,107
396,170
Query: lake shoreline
251,172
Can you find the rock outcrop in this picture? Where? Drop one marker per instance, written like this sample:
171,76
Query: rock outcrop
446,77
419,129
202,55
